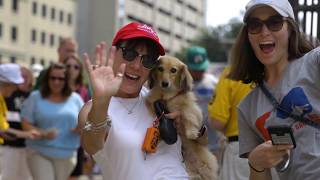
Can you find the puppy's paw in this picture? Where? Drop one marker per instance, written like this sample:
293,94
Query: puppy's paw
192,134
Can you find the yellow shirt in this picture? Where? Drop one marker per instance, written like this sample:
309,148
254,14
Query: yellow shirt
223,106
3,120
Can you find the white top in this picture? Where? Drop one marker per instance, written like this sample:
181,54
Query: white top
122,158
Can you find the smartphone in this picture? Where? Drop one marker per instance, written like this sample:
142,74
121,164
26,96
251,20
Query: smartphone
281,135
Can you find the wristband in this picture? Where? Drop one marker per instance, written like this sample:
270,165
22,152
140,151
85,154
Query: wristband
256,170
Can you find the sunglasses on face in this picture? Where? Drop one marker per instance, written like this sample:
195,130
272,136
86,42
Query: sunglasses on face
54,78
273,23
146,60
74,66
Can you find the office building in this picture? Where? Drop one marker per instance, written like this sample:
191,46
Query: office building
30,30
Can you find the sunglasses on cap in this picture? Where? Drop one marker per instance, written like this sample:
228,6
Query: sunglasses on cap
130,55
273,23
74,66
54,78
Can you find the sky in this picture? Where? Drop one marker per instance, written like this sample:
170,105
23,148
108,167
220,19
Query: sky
221,11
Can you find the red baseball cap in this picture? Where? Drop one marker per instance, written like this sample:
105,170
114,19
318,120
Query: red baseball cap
137,30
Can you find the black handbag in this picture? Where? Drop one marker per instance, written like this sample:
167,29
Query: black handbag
168,132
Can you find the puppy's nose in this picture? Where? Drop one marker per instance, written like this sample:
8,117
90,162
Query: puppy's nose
164,84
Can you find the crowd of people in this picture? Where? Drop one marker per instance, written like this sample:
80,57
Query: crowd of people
261,116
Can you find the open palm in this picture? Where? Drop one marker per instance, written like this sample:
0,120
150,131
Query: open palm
105,82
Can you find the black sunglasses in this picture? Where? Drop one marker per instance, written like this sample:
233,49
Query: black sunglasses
75,66
54,78
273,23
130,55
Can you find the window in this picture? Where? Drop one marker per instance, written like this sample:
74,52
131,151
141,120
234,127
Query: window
51,40
14,33
43,38
15,5
0,29
13,59
34,8
53,13
42,62
44,10
32,60
69,18
180,1
61,16
33,35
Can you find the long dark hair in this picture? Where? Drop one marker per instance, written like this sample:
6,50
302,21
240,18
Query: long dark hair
79,80
246,67
45,89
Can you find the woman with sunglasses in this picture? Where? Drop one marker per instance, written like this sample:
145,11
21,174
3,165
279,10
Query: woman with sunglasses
117,119
75,72
52,112
76,81
272,53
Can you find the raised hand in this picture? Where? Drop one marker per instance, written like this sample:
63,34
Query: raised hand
105,82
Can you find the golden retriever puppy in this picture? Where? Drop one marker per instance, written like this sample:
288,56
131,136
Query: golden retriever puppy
172,82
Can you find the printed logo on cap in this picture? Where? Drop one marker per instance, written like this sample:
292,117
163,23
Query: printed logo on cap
198,59
148,29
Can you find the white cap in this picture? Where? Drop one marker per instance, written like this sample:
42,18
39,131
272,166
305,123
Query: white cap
283,7
11,73
36,69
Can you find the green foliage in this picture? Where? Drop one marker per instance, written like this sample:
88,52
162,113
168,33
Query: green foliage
215,40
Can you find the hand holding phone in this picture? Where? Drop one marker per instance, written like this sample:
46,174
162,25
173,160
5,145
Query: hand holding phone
281,135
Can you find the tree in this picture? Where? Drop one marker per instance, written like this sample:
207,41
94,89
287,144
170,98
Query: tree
216,41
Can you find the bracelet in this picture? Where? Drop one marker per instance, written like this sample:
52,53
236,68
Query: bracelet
90,126
256,170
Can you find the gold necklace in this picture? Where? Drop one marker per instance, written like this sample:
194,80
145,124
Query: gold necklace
130,110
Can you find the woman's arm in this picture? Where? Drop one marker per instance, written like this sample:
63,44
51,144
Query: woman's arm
265,156
92,140
105,84
38,133
218,125
265,175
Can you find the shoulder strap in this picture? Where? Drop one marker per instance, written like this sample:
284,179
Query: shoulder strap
276,105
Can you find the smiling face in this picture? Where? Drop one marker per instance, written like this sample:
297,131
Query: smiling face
270,47
57,80
73,67
135,74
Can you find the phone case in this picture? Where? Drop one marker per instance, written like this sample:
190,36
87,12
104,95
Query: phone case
281,135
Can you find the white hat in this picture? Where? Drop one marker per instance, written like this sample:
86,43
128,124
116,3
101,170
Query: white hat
283,7
11,73
36,69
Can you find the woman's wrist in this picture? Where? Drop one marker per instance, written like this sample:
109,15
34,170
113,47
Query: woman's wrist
256,169
253,165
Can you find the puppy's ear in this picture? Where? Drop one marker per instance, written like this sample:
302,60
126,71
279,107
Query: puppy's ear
186,81
152,78
152,75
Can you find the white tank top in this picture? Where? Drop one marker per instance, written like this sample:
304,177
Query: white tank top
122,158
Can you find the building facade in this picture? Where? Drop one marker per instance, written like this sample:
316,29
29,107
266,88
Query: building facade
177,22
30,30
